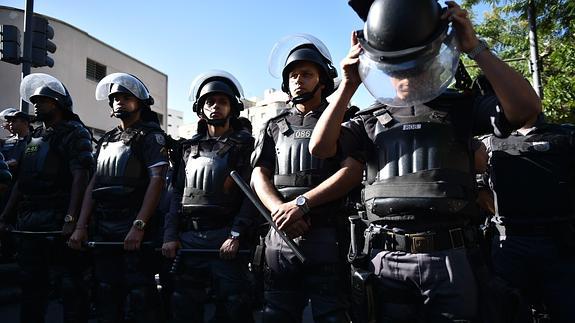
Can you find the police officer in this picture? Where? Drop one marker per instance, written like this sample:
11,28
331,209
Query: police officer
416,142
13,147
303,193
123,196
532,176
209,211
53,175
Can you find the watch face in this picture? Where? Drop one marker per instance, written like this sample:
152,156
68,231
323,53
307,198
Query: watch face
68,218
300,201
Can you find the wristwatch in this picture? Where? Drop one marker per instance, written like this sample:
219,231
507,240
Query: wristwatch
139,224
234,235
478,49
68,218
301,202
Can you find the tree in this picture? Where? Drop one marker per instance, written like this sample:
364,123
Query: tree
506,29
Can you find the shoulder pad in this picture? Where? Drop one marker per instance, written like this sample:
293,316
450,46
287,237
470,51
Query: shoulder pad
242,137
371,109
282,114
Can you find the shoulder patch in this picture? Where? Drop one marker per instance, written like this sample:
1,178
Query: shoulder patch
160,139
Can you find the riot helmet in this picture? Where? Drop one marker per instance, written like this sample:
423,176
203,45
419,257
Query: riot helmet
409,54
7,111
39,84
17,114
123,83
297,48
212,82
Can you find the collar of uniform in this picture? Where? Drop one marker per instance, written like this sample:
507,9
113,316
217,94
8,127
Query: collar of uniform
318,110
222,137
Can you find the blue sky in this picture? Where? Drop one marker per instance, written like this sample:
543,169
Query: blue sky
185,38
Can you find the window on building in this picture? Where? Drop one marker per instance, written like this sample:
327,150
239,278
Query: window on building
94,70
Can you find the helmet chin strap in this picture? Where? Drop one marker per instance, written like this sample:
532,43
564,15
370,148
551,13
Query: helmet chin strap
217,122
306,96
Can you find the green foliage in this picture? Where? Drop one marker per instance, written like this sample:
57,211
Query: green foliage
506,29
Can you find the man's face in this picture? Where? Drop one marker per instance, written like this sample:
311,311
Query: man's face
217,106
44,106
17,125
303,78
124,102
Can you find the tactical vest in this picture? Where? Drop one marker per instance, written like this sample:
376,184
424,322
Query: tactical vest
208,188
418,167
43,170
297,171
533,176
121,176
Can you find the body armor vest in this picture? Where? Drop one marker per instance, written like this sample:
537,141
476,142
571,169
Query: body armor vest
121,175
43,170
532,176
297,171
208,189
418,167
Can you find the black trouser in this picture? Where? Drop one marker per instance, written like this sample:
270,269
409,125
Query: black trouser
43,262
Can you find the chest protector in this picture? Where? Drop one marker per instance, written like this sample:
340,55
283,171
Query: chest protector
297,171
208,189
43,170
533,176
120,172
418,167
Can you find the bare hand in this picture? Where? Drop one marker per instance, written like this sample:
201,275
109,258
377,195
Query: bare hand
78,238
229,249
298,228
349,65
170,249
466,38
133,239
286,214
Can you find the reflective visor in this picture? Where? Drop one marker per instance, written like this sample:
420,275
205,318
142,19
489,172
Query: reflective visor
408,82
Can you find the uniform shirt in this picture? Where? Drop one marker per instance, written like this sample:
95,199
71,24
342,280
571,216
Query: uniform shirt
246,213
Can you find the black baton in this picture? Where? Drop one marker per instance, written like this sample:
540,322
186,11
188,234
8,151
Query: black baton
264,212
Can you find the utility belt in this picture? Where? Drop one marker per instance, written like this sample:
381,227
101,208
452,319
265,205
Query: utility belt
378,237
191,223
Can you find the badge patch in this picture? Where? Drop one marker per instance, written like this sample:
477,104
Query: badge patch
412,126
160,139
302,134
541,145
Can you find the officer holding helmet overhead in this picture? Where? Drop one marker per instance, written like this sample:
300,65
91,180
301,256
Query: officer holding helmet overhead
305,195
208,210
123,196
46,200
417,144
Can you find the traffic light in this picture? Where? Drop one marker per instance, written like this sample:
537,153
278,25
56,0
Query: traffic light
41,44
10,44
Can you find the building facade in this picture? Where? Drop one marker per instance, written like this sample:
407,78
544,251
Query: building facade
80,62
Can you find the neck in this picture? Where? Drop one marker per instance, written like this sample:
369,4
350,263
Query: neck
55,120
214,131
130,121
310,105
23,133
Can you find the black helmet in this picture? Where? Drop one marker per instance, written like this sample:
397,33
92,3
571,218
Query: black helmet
409,54
302,47
123,83
39,84
400,29
18,114
310,53
216,81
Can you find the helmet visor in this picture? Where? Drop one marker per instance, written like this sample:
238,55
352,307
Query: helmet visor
286,45
34,81
405,83
200,79
135,86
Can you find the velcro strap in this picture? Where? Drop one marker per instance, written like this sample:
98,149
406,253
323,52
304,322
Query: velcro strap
298,180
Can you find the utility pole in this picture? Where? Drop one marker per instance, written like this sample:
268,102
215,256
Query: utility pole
534,49
27,53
